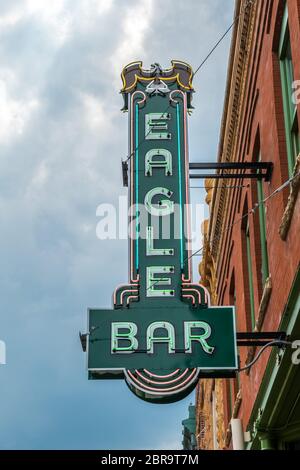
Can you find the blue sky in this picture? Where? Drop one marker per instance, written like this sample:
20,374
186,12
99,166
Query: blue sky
62,137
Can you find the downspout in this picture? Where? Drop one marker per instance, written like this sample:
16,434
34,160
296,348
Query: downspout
237,433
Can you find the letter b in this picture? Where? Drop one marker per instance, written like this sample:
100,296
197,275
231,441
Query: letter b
129,336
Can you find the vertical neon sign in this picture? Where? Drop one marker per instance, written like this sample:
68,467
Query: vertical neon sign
162,332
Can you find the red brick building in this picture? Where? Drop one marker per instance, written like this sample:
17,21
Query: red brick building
252,238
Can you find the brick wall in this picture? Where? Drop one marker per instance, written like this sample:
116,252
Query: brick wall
259,125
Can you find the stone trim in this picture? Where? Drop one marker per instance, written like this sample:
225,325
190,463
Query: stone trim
250,357
263,304
289,210
236,409
236,86
260,318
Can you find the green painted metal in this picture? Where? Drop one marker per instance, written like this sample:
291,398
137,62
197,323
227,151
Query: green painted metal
276,411
250,276
173,183
137,186
262,229
180,185
267,442
162,331
290,109
222,339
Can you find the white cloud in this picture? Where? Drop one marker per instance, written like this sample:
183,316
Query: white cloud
59,113
48,9
134,27
170,445
54,14
87,228
60,17
97,7
87,15
40,175
94,112
10,19
14,114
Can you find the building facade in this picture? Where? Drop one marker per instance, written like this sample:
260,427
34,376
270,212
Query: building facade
251,240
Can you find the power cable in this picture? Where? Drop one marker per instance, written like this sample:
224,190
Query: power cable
251,211
258,204
196,71
221,187
272,343
219,41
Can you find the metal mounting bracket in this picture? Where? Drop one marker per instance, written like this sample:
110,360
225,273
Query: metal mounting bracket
259,339
233,170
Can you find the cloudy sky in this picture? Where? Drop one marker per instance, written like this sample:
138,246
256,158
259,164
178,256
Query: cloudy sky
62,137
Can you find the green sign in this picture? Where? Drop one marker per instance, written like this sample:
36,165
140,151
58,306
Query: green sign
162,331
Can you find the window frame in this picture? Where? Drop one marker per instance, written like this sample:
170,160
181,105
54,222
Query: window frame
265,271
250,275
289,108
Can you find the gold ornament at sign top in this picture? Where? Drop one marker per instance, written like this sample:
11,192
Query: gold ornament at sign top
181,72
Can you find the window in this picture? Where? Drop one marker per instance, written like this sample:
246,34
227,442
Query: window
290,109
262,231
234,384
250,274
232,291
230,399
215,420
247,268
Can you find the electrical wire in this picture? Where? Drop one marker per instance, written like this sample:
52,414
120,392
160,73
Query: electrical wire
258,204
144,138
221,187
249,2
251,211
272,343
198,252
221,39
196,71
